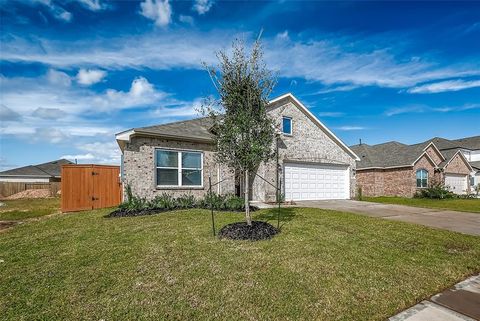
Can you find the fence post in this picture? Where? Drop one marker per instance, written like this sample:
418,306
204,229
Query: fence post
211,203
278,200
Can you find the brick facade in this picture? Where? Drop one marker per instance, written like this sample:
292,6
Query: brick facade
308,143
402,181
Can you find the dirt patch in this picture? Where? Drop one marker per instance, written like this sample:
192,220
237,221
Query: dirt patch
30,193
6,224
241,231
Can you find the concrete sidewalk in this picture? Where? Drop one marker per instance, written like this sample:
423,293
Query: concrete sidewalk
467,223
460,303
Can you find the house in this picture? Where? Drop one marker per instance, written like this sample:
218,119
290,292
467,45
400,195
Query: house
396,169
41,173
178,158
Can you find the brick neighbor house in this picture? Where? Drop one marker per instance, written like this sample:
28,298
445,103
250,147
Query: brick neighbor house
396,169
178,158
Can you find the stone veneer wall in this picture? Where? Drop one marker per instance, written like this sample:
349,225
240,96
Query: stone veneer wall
139,168
308,143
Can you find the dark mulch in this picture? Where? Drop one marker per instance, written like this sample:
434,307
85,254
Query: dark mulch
127,213
7,224
241,231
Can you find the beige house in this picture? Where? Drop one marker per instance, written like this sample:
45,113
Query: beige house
396,169
179,158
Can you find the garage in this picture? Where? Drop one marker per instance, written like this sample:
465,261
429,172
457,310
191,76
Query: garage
456,183
316,182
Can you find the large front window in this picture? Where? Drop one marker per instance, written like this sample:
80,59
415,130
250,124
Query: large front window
178,168
422,178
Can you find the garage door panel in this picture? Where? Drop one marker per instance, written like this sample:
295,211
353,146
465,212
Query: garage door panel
316,182
457,184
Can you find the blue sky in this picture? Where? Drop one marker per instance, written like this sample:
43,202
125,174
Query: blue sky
73,73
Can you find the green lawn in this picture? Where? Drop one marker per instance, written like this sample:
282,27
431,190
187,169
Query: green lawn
325,265
463,205
27,208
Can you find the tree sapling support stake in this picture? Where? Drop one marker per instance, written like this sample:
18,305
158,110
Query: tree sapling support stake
211,203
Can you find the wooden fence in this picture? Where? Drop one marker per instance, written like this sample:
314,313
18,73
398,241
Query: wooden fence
10,188
87,187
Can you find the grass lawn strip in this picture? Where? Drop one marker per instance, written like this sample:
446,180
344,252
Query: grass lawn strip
323,265
28,208
463,205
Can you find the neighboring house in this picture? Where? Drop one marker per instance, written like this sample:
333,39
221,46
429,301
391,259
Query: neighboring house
41,173
178,158
396,169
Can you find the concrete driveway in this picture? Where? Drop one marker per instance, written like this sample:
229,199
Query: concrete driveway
467,223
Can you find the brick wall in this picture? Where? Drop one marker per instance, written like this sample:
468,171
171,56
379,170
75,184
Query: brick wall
139,168
394,181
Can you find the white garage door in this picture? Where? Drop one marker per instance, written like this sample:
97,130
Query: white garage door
456,183
316,182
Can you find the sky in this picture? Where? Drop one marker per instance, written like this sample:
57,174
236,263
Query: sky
75,72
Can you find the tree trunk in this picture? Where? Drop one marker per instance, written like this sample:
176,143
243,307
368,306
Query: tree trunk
247,203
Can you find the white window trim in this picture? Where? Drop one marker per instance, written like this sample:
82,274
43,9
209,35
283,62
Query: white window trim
420,170
291,126
179,168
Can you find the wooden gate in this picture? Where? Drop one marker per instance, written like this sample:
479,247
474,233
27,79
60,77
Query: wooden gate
87,187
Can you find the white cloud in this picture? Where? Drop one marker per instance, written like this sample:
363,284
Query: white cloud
55,10
186,19
7,114
350,128
97,152
157,10
60,78
90,76
443,86
283,35
350,62
49,113
93,5
330,114
406,110
203,6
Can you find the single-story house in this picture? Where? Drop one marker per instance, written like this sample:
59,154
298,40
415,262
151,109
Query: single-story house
178,158
396,169
41,173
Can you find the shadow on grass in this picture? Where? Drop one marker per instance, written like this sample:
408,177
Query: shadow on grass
271,215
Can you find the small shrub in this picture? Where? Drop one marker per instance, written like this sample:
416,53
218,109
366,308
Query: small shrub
164,202
435,191
234,203
186,201
359,193
214,200
134,203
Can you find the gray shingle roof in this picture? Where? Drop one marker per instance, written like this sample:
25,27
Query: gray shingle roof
469,142
395,154
48,169
198,128
475,165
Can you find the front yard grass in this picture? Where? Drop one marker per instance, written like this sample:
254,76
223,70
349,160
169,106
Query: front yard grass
455,204
325,265
28,208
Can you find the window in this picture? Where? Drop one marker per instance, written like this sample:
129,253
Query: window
472,180
287,125
178,168
422,178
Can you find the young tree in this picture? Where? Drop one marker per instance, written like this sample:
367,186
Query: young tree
244,134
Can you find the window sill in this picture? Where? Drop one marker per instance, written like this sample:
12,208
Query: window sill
178,187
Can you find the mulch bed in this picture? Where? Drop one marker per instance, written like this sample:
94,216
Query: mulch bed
241,231
128,213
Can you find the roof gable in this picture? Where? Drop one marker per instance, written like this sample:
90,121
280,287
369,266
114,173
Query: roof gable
290,97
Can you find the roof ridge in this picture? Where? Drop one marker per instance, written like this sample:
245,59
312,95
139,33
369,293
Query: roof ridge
175,122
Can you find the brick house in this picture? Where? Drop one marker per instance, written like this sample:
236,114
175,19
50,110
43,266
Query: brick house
178,158
396,169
